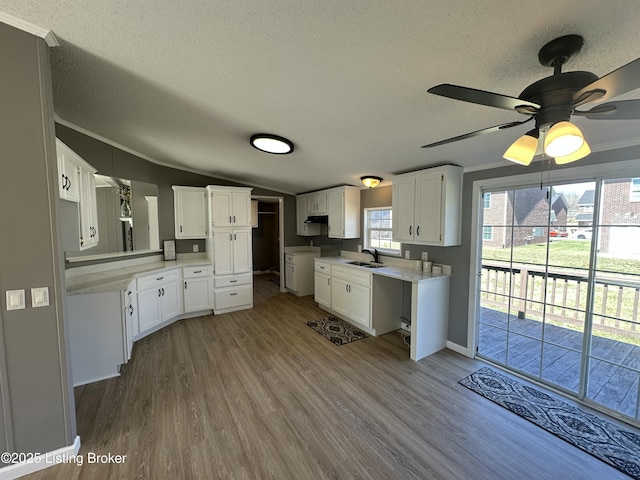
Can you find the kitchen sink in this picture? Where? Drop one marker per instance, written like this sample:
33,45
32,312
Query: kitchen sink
365,264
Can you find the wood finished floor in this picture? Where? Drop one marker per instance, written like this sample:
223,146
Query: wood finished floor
257,394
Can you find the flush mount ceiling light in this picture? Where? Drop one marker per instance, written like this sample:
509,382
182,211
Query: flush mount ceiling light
370,181
266,142
524,149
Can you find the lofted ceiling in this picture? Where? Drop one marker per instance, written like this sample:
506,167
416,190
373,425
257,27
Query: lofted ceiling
187,83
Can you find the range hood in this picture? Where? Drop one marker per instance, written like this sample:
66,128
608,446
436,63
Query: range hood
317,219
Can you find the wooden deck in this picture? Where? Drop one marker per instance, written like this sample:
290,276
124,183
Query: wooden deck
614,365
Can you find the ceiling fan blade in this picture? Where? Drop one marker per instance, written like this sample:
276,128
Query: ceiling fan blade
481,97
620,110
622,80
477,132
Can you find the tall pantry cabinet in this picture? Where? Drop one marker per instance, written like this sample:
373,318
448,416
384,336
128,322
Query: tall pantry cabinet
229,247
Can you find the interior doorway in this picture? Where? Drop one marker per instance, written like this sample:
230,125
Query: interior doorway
268,235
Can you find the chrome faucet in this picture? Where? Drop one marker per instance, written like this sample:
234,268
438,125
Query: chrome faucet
374,253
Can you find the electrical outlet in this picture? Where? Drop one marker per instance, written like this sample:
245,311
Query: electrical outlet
195,248
405,326
407,254
360,248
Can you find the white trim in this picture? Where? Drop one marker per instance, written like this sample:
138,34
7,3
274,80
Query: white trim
102,139
459,349
28,27
43,460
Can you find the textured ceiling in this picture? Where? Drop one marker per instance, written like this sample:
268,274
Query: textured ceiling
187,83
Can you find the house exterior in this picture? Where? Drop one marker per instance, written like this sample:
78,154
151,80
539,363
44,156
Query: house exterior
528,209
619,233
584,217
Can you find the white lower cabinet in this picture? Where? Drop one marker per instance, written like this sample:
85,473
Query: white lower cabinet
159,299
322,283
232,292
351,294
198,291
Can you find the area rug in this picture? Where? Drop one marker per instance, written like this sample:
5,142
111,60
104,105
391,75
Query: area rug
336,331
619,447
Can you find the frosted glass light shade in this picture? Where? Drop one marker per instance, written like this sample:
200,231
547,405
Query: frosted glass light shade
271,143
582,152
563,139
523,149
370,181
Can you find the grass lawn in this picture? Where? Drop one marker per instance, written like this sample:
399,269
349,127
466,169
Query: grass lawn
572,254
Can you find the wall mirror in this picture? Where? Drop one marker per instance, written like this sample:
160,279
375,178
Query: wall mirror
127,218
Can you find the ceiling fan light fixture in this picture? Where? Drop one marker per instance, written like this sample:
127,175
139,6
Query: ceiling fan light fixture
275,144
582,152
523,149
563,139
371,181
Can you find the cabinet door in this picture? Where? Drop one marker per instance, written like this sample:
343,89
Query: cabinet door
171,300
88,210
149,308
322,289
360,304
289,276
197,294
403,209
191,213
321,203
241,209
242,251
221,215
340,295
335,207
428,209
223,251
304,229
93,207
132,296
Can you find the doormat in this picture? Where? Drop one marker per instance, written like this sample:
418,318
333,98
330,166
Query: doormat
619,447
336,331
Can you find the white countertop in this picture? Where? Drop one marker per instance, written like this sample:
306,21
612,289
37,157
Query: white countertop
118,279
404,274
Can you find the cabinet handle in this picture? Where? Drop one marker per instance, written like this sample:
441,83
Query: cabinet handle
235,237
197,271
234,219
346,287
68,183
185,285
180,228
418,230
159,293
410,230
159,278
163,292
231,237
233,281
232,294
230,219
328,281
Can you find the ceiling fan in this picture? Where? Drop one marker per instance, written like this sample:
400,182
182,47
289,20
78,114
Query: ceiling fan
552,101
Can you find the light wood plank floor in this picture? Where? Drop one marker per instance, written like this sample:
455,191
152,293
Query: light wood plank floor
259,395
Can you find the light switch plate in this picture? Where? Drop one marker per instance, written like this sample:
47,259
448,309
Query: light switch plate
40,297
15,300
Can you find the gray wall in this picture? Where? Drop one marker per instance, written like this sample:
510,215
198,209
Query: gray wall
114,162
36,391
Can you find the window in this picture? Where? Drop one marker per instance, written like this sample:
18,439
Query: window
487,200
487,233
377,230
634,195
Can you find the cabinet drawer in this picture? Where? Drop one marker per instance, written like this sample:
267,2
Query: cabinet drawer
323,267
158,278
232,280
341,272
233,296
361,278
195,272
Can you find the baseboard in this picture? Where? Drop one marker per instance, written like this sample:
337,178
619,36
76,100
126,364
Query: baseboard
97,379
459,349
42,461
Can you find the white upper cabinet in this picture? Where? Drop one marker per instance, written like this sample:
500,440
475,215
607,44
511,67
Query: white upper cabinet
317,203
68,173
190,208
232,251
229,206
77,183
427,206
304,229
343,206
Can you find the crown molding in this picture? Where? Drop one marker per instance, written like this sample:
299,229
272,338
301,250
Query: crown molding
28,27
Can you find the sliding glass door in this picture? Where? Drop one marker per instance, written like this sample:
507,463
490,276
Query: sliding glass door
559,288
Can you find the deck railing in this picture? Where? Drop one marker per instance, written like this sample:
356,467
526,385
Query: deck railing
560,295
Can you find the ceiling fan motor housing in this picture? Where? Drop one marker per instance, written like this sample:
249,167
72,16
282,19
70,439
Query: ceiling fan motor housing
554,94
